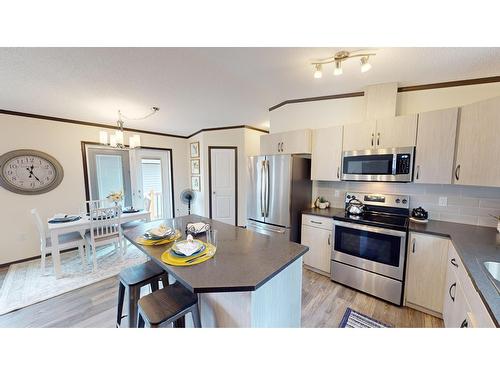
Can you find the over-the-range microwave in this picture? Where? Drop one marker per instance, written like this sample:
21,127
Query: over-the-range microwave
382,164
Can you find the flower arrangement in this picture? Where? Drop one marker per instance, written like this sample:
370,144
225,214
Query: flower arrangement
321,202
115,197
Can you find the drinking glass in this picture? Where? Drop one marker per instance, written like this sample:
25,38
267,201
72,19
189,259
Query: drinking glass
212,237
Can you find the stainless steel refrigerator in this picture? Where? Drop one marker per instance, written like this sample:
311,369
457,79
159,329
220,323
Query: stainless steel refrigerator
280,188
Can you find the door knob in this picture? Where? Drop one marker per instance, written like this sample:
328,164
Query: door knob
213,193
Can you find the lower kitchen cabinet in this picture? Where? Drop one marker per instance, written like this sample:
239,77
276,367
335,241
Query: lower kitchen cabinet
317,235
426,272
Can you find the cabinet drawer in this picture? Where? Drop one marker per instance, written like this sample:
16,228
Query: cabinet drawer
318,222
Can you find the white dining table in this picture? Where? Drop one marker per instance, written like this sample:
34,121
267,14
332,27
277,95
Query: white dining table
81,226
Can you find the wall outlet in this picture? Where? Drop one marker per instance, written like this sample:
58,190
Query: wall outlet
337,193
443,201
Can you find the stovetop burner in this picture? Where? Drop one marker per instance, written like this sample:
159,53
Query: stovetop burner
383,220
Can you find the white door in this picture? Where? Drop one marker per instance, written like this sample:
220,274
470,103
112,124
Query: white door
152,181
223,184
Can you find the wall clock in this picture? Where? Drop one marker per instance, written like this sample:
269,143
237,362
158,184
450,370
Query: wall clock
29,172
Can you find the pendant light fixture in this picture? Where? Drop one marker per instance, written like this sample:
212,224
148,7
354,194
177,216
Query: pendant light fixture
339,58
116,140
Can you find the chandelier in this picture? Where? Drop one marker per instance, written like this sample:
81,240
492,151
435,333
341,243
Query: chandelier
339,58
116,139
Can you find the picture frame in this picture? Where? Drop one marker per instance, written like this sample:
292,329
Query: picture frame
194,148
195,183
195,166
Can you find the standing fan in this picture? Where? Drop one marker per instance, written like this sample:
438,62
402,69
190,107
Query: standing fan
187,196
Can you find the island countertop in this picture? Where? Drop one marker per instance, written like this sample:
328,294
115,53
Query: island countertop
244,261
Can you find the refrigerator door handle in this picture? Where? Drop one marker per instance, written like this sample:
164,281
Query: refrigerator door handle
262,198
267,189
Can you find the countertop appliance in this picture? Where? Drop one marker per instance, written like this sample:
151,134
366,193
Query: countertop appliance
369,249
280,187
381,164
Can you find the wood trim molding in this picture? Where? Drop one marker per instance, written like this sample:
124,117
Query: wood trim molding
113,127
429,86
210,148
316,98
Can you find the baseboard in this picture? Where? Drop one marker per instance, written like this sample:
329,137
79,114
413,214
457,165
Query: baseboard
4,265
424,310
316,270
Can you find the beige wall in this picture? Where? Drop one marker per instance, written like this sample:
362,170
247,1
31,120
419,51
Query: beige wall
62,141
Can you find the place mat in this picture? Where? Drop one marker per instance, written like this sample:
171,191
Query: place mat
172,260
61,220
141,240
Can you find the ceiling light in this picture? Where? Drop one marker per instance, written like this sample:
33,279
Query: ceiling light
318,73
338,68
365,65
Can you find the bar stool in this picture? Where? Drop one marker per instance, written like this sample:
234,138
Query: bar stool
133,279
168,305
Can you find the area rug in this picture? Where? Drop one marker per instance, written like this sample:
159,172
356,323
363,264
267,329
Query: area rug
354,319
25,285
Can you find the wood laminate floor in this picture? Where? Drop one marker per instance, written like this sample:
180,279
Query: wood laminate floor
323,305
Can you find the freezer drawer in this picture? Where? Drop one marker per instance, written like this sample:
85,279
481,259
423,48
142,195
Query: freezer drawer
268,229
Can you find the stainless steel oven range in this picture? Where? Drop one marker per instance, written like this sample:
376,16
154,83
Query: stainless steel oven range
369,248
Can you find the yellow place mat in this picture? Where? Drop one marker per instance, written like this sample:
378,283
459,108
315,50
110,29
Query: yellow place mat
141,240
173,260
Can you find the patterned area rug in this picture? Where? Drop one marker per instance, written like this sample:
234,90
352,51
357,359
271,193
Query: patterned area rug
354,319
25,285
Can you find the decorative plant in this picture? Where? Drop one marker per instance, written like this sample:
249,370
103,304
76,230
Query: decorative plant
115,196
322,200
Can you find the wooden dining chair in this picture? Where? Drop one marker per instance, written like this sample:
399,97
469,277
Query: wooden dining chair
66,241
105,229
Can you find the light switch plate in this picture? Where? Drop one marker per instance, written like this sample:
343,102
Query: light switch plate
443,201
337,193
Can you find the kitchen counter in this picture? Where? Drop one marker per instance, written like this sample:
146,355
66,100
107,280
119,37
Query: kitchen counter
253,280
474,245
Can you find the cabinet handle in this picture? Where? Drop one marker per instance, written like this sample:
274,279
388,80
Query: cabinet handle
316,222
378,139
418,171
329,239
457,172
278,147
338,172
449,291
373,135
464,324
281,147
454,262
413,245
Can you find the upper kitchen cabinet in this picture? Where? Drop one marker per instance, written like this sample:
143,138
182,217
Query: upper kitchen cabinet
326,154
400,131
478,149
293,142
359,136
435,146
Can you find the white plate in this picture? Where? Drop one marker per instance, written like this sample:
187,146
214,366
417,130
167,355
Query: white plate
187,248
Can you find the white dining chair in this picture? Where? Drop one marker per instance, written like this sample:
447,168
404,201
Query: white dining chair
66,241
105,229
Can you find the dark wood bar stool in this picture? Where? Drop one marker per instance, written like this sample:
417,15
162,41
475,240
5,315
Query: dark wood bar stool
168,305
133,279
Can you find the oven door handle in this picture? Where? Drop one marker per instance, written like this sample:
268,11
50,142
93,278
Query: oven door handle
370,228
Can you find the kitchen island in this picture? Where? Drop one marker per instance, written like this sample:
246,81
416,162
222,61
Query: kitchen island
253,280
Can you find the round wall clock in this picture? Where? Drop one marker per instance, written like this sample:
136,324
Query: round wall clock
29,172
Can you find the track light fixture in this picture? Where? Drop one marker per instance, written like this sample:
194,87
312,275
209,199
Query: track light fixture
339,58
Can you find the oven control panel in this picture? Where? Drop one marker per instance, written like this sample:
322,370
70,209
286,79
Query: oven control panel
386,200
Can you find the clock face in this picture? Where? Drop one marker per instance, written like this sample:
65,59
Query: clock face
29,172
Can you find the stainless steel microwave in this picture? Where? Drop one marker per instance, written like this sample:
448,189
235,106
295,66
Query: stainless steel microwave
382,164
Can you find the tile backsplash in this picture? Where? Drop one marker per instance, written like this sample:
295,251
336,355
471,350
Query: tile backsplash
464,204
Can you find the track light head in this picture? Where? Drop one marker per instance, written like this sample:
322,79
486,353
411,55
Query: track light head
338,68
365,65
317,72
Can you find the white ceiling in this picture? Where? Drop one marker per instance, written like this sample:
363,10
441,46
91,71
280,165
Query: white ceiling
206,87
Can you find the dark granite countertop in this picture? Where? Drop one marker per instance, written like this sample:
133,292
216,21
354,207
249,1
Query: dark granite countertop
327,212
474,245
244,261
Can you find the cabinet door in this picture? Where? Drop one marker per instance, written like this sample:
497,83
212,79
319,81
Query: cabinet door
270,144
478,148
319,243
426,272
436,146
326,154
449,297
400,131
296,142
359,136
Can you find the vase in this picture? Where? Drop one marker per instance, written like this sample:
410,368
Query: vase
322,205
